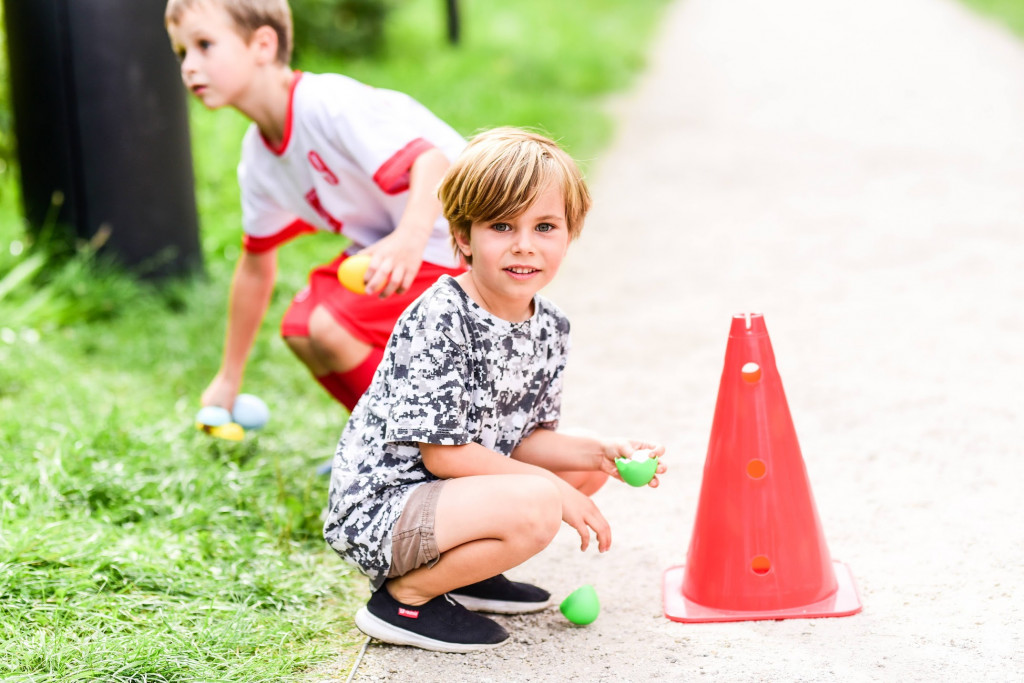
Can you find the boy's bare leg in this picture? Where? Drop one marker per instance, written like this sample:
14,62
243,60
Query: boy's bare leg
329,346
587,483
483,526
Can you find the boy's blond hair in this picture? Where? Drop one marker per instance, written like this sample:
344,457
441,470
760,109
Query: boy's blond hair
247,15
500,174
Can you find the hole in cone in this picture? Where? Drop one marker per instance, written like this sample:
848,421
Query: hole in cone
750,372
756,469
761,565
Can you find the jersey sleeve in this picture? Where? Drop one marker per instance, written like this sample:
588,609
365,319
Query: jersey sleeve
266,225
429,400
386,131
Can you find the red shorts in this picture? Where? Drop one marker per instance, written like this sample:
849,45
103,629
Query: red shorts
367,317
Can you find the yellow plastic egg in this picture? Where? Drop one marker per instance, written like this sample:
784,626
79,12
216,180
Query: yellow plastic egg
352,272
231,431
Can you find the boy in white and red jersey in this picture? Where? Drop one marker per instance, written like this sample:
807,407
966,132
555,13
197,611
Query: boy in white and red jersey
324,152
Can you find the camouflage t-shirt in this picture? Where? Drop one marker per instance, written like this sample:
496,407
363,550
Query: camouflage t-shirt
452,374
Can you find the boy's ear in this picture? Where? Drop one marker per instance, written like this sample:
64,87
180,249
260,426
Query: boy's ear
463,242
264,39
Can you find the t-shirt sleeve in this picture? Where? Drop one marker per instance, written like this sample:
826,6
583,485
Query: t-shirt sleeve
386,131
265,223
548,409
429,398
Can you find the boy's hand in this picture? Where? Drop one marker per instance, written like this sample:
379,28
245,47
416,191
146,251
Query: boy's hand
580,512
395,261
624,448
221,392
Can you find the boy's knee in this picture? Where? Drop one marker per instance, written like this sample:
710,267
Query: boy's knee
298,345
589,483
303,350
541,512
327,344
334,345
321,339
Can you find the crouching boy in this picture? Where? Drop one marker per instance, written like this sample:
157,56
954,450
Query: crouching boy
450,470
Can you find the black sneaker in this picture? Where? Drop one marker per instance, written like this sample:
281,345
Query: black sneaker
441,624
501,596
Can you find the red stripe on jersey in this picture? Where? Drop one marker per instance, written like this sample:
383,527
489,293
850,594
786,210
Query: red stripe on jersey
257,245
287,137
393,175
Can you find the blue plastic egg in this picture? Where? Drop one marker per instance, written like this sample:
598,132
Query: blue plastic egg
250,411
212,416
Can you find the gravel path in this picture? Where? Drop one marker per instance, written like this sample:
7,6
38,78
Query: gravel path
855,171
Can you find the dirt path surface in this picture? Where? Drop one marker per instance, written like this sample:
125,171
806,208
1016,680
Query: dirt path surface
855,171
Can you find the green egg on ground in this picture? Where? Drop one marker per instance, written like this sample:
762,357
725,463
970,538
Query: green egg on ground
581,607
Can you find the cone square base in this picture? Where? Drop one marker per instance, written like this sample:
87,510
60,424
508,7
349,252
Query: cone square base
842,603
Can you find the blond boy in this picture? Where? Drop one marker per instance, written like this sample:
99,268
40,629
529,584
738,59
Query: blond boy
450,470
324,152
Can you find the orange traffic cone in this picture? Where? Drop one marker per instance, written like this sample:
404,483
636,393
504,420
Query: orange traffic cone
757,551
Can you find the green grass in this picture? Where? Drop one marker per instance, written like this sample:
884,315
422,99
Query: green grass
134,548
1009,12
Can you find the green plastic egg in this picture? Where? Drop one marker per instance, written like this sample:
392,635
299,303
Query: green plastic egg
581,606
636,472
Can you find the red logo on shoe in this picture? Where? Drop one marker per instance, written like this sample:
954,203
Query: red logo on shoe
411,613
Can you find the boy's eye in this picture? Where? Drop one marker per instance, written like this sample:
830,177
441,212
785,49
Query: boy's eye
501,227
204,44
545,227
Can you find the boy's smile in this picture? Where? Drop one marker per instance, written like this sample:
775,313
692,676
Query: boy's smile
521,272
514,258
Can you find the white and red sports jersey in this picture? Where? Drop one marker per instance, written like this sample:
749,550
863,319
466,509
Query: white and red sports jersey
343,166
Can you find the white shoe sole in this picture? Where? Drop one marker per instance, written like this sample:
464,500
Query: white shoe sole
388,633
498,606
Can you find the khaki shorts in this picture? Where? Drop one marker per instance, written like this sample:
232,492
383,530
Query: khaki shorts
412,540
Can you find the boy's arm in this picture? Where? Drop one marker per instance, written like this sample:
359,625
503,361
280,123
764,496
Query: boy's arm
562,452
472,459
251,287
399,255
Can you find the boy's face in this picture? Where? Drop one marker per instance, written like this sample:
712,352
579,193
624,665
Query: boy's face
514,258
216,63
